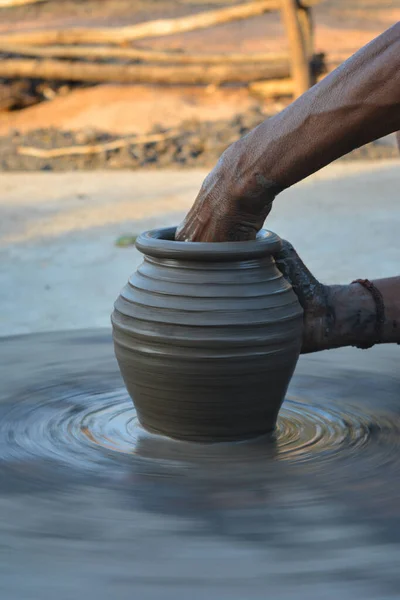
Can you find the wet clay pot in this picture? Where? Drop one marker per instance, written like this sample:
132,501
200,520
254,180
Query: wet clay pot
207,336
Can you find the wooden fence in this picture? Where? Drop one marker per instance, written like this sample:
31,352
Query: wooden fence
106,54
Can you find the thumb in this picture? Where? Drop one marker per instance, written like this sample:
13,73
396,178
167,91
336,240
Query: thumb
303,282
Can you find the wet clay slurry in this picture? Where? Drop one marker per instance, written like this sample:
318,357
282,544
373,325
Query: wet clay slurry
93,508
207,336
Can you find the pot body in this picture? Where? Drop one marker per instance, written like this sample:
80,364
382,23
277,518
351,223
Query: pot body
207,339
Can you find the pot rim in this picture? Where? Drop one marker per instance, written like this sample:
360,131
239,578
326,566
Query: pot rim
160,243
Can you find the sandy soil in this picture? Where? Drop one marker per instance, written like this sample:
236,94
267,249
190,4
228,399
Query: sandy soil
129,109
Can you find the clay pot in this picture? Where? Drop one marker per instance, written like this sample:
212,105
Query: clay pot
207,336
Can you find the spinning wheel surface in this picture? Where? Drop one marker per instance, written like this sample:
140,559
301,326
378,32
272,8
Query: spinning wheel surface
92,505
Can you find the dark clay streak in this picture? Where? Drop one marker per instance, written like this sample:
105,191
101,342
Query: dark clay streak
312,295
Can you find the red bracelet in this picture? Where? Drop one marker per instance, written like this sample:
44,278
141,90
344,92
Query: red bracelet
379,311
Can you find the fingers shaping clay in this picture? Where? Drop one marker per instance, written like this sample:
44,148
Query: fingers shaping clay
207,336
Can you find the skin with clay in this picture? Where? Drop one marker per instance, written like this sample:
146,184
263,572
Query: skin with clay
356,104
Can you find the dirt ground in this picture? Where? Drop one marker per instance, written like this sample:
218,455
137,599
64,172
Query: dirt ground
342,26
123,109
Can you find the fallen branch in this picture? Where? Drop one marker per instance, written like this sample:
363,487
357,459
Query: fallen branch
161,27
94,148
106,52
163,74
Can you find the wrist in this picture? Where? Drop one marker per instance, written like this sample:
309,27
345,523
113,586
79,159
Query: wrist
352,320
250,175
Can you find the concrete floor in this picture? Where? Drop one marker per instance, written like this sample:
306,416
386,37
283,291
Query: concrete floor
60,269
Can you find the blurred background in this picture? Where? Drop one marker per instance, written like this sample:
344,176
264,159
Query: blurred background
112,113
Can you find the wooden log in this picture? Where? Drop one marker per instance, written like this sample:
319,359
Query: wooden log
300,65
160,27
274,88
60,70
153,56
95,148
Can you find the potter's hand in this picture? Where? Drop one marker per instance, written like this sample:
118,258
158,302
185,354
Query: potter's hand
313,296
340,315
232,204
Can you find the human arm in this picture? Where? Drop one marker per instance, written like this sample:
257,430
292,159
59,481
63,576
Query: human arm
355,104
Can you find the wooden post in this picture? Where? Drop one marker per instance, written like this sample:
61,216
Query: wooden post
307,28
300,64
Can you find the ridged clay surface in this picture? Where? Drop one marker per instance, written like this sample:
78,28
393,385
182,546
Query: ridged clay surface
207,337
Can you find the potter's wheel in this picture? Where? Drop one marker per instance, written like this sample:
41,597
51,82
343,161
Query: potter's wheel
91,506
